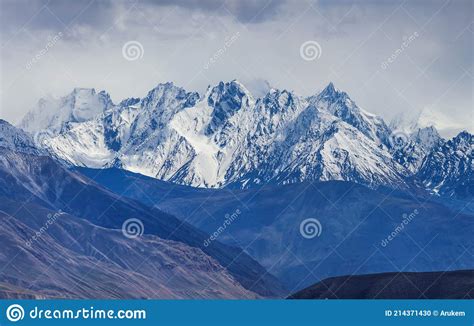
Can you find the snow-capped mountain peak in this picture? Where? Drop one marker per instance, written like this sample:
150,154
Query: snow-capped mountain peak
339,104
226,99
427,137
227,137
449,168
413,147
17,140
81,105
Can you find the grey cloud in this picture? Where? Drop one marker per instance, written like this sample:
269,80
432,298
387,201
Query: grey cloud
54,14
180,36
246,11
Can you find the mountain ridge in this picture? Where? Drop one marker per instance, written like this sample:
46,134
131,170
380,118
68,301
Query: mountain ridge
228,138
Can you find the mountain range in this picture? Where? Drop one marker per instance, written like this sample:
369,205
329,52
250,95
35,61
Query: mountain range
222,184
33,185
228,138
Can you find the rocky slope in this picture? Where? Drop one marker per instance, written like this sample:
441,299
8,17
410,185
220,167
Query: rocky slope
448,169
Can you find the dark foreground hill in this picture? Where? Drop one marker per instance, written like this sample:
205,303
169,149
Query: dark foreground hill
430,285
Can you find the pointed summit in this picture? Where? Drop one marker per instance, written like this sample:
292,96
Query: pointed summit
331,92
232,88
15,139
169,97
330,88
226,99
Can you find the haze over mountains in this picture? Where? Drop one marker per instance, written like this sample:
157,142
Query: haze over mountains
182,163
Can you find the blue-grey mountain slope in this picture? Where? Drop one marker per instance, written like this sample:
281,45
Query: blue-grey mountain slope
356,221
39,180
47,254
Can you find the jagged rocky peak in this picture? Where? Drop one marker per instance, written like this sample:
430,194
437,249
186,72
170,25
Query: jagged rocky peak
449,168
463,139
409,149
132,101
232,93
279,100
329,96
335,101
339,104
227,137
226,99
167,95
15,139
331,92
427,136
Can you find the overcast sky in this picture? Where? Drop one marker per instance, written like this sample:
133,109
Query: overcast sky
392,57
